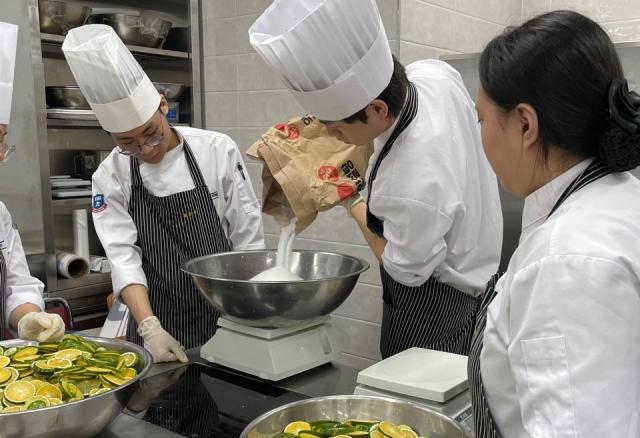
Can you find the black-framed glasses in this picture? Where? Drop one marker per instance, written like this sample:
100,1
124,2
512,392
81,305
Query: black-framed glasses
153,141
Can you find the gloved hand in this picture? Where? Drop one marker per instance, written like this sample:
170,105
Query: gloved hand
162,346
351,202
41,327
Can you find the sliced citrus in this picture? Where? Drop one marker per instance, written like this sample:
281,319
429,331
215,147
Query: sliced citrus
409,433
70,354
390,430
25,373
376,434
43,367
5,374
50,391
296,427
24,353
13,378
36,402
55,402
12,409
86,386
4,361
114,380
98,391
59,363
130,359
10,351
18,392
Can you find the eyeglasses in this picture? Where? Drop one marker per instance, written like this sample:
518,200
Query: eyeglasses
5,151
152,142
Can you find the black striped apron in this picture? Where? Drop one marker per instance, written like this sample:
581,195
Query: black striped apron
434,315
172,230
4,334
483,420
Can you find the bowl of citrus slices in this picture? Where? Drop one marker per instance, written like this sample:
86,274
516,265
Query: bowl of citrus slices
74,387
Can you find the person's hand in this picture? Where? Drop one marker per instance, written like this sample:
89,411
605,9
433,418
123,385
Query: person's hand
41,327
351,202
162,346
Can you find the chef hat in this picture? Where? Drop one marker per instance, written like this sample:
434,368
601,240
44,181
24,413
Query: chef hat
332,54
8,46
112,81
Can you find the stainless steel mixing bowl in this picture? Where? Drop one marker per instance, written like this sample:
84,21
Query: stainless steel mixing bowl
171,92
66,97
58,17
145,30
343,407
223,279
84,418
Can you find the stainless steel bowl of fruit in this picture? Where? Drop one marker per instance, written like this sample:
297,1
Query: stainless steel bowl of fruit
71,388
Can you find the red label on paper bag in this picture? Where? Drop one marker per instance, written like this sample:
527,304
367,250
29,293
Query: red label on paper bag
328,173
344,191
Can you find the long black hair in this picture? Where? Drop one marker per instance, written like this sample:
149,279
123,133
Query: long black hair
566,67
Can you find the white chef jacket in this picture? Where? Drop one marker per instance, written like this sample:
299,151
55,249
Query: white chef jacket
230,187
21,287
561,354
435,190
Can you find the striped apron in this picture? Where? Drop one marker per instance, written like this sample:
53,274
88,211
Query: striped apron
483,420
172,230
434,315
4,333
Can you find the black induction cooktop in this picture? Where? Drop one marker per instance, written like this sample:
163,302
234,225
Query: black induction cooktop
206,401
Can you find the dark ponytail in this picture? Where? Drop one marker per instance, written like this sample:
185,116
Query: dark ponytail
565,66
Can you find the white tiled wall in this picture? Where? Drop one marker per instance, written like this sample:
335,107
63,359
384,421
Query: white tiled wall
244,98
430,29
621,18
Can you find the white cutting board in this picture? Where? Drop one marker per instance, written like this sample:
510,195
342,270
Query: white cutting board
421,373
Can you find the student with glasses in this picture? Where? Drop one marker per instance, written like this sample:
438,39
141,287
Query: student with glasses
165,195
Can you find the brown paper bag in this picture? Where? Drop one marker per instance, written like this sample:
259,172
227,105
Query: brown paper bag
306,170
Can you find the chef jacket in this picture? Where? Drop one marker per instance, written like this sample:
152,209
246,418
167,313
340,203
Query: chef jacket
561,354
435,190
21,287
223,170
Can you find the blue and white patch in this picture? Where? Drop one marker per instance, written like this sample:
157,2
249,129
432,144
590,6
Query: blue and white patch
99,203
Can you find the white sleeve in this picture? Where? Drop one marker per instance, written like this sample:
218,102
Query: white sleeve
116,230
21,287
415,234
243,215
574,347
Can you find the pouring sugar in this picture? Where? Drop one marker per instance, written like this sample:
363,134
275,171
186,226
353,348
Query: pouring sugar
281,271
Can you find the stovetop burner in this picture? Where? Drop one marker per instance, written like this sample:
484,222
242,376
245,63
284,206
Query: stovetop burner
205,401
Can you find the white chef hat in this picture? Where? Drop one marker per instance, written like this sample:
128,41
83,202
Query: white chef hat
8,47
332,54
112,81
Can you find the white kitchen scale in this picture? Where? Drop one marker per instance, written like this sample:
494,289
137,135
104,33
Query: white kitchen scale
430,378
272,353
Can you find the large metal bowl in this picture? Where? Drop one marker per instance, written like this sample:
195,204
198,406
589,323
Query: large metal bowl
66,97
84,418
145,30
171,92
58,17
223,279
343,407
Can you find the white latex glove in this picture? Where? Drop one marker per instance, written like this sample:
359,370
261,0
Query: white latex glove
41,327
162,346
351,202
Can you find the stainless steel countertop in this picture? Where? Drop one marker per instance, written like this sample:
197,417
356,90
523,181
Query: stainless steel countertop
325,380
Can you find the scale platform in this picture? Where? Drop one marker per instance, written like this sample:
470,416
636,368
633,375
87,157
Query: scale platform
430,378
272,353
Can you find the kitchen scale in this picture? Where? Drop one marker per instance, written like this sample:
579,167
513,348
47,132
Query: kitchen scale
272,353
430,378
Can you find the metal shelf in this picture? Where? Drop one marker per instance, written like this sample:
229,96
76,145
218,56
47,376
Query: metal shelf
139,50
63,206
83,120
91,279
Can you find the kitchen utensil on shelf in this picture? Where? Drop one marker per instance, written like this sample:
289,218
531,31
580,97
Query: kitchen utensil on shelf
65,97
146,30
58,17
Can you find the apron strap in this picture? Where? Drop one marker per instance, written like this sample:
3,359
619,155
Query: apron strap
408,113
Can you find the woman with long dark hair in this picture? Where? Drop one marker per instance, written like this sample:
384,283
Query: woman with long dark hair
557,345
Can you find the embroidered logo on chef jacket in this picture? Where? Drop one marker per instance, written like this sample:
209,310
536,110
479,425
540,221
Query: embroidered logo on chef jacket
99,203
214,195
3,245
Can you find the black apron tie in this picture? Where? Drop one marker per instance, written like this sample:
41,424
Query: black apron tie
409,111
172,230
484,423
